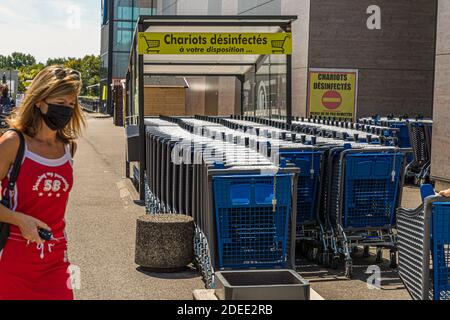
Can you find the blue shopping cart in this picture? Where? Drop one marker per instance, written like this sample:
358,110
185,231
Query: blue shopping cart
424,248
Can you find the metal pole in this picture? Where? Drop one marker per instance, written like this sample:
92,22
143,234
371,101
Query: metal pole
110,57
269,104
142,154
255,91
242,80
289,89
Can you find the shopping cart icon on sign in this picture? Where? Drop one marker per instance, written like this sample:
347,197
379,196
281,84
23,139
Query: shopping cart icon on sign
152,45
278,45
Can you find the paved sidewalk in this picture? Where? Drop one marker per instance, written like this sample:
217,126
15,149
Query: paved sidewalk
96,115
101,225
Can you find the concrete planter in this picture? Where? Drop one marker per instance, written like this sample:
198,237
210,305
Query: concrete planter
164,242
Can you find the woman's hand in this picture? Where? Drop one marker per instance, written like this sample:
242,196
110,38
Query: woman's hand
29,227
445,193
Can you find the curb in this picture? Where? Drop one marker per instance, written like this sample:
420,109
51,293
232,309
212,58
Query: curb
208,294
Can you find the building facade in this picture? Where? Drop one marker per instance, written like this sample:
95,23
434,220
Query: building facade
440,158
118,22
395,62
395,59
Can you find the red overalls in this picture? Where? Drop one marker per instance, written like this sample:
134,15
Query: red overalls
29,271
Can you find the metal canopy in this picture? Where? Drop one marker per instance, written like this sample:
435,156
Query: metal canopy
201,65
196,70
212,21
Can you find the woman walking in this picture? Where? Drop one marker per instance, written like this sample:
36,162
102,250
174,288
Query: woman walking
50,119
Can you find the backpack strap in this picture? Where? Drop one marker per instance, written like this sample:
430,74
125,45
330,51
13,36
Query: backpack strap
18,162
73,148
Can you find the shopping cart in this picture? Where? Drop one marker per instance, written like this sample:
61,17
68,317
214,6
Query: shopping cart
278,45
231,231
307,153
424,249
413,133
364,189
151,45
420,134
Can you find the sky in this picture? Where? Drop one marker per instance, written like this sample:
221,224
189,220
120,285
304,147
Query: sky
50,28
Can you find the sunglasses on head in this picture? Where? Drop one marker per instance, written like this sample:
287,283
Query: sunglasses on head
61,73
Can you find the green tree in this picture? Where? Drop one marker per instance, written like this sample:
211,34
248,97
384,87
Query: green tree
90,71
17,60
3,60
89,67
56,61
28,73
22,60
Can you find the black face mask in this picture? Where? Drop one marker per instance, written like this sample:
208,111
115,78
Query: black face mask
57,116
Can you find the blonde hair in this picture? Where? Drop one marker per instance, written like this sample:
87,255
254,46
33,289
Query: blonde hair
52,82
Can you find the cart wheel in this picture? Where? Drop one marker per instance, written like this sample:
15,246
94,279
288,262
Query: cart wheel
309,252
366,253
334,262
409,179
302,249
422,181
353,251
306,250
379,258
348,269
316,253
320,257
416,181
393,258
326,260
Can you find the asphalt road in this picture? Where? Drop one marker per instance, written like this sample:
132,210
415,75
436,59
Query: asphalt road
101,225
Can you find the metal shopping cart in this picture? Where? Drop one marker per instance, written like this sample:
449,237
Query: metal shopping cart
152,45
278,45
364,189
224,190
424,249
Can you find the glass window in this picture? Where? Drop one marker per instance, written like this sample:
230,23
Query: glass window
105,12
278,84
123,35
143,8
249,93
123,10
214,7
246,5
259,7
104,66
104,39
265,92
136,87
120,64
168,7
